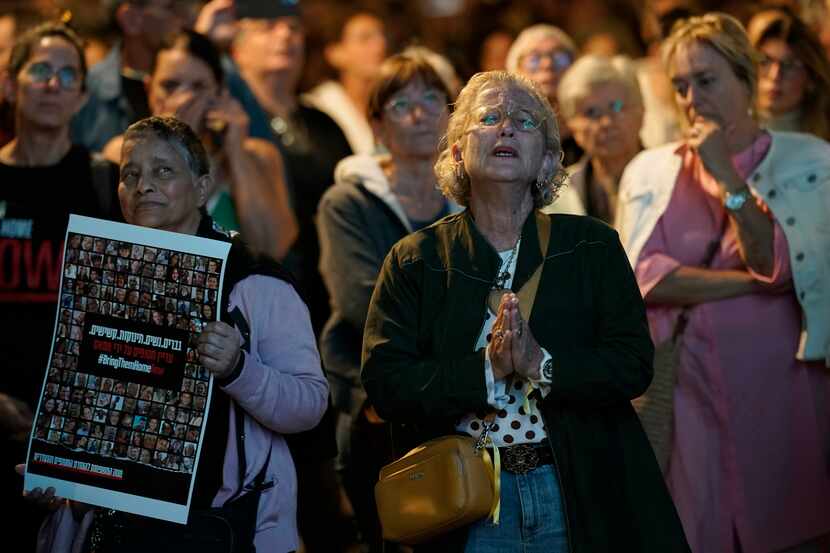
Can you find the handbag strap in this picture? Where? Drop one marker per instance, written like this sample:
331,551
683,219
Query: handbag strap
527,293
708,258
257,484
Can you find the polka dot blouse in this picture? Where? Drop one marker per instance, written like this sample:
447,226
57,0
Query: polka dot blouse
513,423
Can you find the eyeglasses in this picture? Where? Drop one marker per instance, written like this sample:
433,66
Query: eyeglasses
786,67
522,119
432,102
42,72
559,60
595,113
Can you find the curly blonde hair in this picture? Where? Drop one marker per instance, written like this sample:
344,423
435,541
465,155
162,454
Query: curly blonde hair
454,181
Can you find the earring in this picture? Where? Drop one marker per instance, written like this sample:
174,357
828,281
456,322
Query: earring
459,172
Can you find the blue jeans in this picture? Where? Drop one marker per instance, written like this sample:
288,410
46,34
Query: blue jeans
532,517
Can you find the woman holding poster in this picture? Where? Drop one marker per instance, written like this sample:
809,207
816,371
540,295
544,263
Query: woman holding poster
272,383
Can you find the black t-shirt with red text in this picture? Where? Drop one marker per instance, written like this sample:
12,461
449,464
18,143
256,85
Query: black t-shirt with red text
35,203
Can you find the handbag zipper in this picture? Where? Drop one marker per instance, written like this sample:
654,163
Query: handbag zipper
558,478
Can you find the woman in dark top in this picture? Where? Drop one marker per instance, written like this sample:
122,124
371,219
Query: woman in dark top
376,201
43,178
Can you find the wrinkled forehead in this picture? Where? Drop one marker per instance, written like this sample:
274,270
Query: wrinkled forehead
149,147
507,97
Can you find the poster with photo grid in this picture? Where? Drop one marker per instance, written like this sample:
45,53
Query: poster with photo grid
124,399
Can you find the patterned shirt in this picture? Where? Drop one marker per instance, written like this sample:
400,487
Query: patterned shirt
516,421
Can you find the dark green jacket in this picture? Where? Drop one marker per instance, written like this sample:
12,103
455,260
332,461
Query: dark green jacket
421,373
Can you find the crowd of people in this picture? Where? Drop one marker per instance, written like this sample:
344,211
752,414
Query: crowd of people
420,249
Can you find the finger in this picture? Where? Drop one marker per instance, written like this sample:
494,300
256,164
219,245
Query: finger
515,313
516,323
497,324
222,343
213,337
508,312
20,469
210,351
505,298
507,347
219,327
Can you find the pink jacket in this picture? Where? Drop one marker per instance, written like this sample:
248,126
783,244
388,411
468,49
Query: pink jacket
281,388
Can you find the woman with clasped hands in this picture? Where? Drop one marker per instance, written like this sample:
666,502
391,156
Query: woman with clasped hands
438,356
274,377
748,468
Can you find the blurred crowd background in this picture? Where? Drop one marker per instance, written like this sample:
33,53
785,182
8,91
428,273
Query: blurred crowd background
474,35
297,93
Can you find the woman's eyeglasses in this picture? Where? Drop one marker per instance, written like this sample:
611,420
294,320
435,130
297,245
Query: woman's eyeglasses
432,102
523,120
559,60
787,67
595,113
42,72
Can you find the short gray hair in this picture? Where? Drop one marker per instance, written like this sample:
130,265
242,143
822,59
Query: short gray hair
590,71
180,137
530,36
454,182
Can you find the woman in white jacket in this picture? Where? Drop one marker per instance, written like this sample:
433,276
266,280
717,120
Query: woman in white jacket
748,465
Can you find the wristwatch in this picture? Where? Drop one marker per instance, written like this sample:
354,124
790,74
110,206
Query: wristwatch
547,369
734,201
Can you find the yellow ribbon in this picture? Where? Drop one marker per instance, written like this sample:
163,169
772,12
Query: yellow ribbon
495,467
531,387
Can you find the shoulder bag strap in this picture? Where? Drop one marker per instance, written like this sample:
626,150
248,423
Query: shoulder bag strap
711,251
527,293
257,484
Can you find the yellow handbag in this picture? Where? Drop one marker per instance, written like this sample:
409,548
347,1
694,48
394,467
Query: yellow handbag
439,486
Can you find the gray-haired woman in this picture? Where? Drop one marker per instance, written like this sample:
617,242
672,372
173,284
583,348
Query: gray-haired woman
438,356
543,53
600,101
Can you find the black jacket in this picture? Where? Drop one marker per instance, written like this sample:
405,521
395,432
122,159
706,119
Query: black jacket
421,373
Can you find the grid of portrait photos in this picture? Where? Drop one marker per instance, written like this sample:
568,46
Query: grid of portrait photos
121,419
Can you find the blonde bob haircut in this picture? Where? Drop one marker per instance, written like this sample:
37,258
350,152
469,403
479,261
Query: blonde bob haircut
591,71
454,181
724,34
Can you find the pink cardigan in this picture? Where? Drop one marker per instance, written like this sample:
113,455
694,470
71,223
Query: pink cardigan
281,388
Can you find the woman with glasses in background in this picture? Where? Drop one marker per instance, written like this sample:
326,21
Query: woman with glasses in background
600,101
543,53
43,178
793,74
376,201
